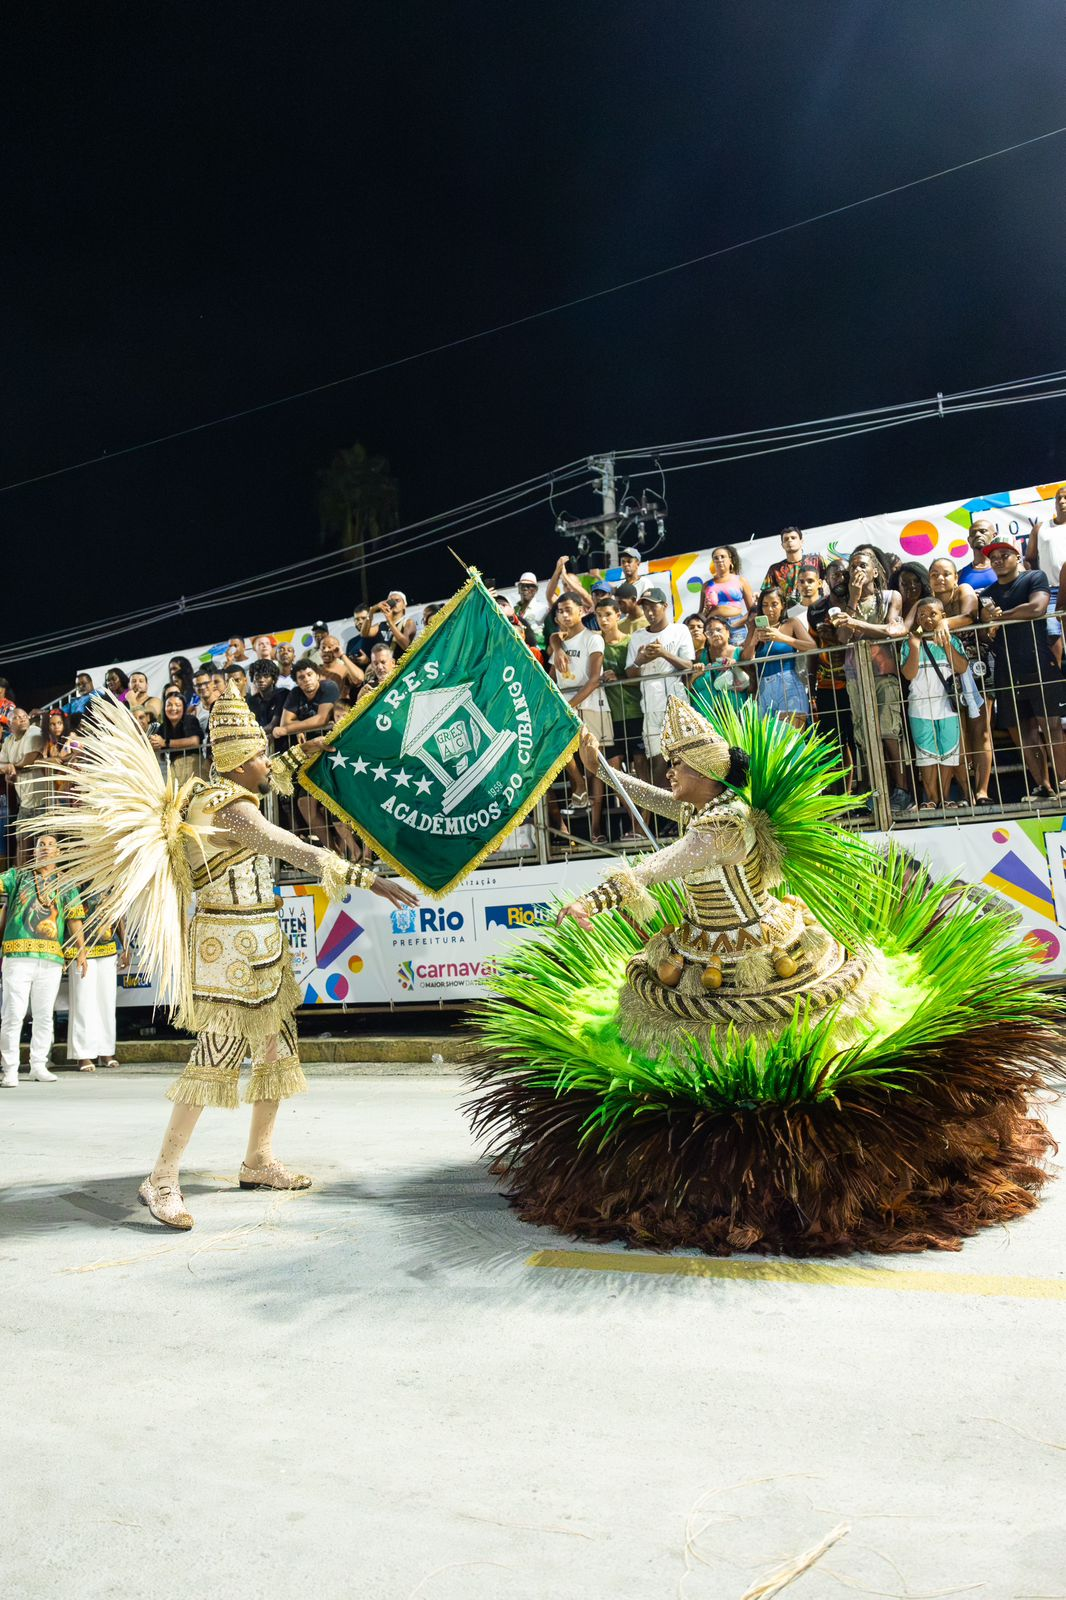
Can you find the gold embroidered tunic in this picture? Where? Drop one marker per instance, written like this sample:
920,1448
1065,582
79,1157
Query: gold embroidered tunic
740,954
243,995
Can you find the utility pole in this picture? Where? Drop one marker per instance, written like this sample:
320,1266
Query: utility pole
604,465
634,518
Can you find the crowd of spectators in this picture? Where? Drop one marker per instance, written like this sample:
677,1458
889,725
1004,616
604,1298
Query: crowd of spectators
953,657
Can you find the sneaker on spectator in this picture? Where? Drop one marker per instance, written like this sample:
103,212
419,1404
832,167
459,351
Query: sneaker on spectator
577,802
900,800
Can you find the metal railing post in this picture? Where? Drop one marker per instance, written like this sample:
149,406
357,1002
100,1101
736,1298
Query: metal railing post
873,753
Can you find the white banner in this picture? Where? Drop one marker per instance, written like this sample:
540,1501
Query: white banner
362,952
369,953
919,535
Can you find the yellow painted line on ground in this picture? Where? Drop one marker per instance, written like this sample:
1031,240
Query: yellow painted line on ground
967,1283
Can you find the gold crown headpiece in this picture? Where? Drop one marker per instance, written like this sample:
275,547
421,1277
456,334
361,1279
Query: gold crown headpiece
235,734
688,737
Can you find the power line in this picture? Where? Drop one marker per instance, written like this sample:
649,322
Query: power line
731,447
329,562
571,474
532,316
746,435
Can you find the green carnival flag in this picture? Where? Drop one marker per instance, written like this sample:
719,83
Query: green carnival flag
440,763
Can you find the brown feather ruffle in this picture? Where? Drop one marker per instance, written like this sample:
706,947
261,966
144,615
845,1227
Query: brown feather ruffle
873,1170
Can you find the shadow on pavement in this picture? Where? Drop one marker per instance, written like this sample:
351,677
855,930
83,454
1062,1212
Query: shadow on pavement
33,1208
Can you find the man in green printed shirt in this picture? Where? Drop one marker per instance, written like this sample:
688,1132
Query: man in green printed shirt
35,922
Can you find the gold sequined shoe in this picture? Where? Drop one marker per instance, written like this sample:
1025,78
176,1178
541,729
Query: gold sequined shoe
166,1204
272,1176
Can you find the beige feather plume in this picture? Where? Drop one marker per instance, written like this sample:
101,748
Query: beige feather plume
122,837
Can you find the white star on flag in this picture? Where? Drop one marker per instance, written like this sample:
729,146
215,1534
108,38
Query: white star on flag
401,779
380,771
338,759
423,786
358,765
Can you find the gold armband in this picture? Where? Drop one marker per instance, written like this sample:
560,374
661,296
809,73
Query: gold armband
361,877
338,875
283,768
622,891
605,897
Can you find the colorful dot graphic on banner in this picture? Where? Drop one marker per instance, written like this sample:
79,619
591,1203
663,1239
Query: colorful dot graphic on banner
694,585
307,640
959,550
355,965
344,932
1001,836
1011,877
337,986
1043,944
919,538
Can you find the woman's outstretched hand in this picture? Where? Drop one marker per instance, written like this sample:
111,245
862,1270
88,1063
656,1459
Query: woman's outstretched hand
397,894
589,751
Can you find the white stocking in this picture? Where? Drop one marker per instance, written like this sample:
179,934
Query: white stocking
261,1133
183,1120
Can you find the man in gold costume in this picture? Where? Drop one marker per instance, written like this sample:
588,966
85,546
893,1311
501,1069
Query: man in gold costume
242,993
145,848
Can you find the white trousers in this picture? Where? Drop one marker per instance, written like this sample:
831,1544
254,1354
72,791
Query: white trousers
91,1029
29,982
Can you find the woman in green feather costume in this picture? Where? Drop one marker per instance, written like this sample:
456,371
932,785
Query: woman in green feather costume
768,1036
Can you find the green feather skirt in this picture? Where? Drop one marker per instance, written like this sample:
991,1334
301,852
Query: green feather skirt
915,1133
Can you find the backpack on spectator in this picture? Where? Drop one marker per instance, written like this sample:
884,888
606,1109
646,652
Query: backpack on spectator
950,682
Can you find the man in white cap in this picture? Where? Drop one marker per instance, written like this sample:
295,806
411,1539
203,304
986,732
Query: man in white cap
659,655
319,631
531,606
630,559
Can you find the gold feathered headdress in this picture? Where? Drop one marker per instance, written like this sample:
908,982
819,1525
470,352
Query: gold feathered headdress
236,736
688,737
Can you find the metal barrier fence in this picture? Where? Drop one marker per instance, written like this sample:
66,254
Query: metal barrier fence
925,734
998,753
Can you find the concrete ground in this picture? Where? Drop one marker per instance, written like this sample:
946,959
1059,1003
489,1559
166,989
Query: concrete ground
373,1391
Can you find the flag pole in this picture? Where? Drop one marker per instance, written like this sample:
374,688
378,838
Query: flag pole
607,772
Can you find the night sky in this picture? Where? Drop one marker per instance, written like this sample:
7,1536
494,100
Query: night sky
210,206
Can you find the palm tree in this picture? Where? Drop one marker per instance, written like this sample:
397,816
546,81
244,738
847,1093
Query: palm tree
358,500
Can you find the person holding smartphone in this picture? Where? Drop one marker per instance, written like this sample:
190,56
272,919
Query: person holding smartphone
395,626
773,641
